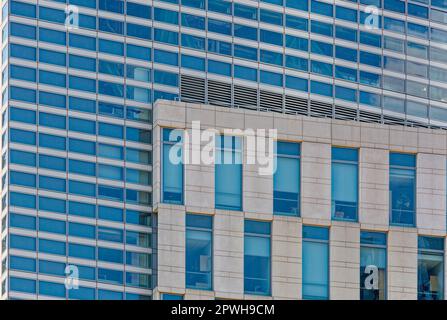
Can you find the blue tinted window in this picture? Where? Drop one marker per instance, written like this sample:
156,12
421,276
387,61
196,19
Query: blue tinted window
246,32
81,251
82,42
430,268
245,73
344,183
315,263
346,14
172,169
52,57
246,12
296,22
403,188
22,179
321,28
23,52
52,36
81,209
138,52
22,30
22,221
111,47
219,26
166,36
271,78
228,173
52,141
286,179
192,21
321,88
22,263
22,136
22,115
198,252
322,8
52,247
82,125
112,26
271,37
257,258
50,183
165,15
138,10
373,253
221,47
22,9
22,285
346,33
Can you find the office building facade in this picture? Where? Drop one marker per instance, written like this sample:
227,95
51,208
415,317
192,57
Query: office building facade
79,78
353,210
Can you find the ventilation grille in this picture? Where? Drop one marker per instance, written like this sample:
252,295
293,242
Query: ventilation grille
246,98
196,90
192,89
219,93
320,109
345,113
296,105
269,101
393,121
366,116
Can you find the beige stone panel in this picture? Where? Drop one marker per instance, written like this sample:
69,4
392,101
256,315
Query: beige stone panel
373,187
430,194
344,262
402,264
315,180
229,254
171,248
286,258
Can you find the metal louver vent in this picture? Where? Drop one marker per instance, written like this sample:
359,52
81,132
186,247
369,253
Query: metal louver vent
246,98
365,116
196,90
219,93
320,109
192,89
345,113
270,101
393,121
296,105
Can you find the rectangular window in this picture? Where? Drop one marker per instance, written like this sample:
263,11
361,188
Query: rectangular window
403,188
172,167
228,173
286,180
315,263
373,265
430,268
199,252
257,257
344,183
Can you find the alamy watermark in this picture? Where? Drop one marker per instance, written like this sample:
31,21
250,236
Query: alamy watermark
200,147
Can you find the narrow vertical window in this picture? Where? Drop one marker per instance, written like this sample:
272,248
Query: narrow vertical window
315,263
257,257
228,173
172,167
430,268
403,189
344,184
372,265
286,180
199,233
